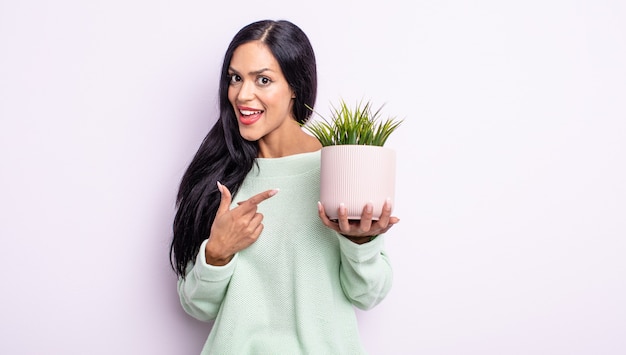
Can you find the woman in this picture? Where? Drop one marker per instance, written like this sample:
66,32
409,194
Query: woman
268,266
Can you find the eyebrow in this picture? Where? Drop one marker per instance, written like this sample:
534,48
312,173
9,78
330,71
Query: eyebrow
256,72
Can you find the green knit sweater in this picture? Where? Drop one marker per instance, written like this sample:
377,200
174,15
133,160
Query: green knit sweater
293,290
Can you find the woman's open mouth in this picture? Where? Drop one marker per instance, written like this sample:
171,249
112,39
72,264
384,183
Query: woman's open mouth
248,116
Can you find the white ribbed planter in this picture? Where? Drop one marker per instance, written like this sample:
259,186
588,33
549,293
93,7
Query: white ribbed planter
355,175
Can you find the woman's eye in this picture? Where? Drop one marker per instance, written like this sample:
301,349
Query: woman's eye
264,81
234,78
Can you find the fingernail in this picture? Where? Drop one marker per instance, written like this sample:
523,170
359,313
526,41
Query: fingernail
219,186
369,207
319,206
274,192
342,207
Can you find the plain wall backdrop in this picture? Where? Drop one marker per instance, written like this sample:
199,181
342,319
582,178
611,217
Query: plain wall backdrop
511,179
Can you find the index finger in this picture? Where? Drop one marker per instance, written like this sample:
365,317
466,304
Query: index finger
258,198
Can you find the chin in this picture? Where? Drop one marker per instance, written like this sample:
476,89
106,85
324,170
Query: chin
249,136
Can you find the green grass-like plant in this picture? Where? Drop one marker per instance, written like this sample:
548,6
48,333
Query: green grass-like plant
360,125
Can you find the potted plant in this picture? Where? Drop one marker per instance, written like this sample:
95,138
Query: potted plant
355,167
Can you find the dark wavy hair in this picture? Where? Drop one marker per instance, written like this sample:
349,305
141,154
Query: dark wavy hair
223,154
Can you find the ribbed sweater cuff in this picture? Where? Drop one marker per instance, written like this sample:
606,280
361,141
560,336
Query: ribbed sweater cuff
212,273
361,252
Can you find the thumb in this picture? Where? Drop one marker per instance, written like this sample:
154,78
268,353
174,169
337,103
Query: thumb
226,199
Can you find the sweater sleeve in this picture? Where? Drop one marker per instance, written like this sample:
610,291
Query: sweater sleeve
365,272
202,290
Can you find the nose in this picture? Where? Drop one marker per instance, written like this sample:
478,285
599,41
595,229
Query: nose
246,91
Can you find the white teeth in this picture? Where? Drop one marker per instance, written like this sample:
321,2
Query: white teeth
248,113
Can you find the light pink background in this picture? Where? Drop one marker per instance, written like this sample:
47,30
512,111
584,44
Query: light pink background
511,177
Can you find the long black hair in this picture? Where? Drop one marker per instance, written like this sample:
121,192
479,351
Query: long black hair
224,155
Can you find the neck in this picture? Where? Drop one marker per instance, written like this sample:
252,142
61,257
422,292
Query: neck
294,141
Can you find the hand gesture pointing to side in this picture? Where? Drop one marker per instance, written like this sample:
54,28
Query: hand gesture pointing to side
236,229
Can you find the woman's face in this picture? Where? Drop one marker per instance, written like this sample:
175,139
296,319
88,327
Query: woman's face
258,91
